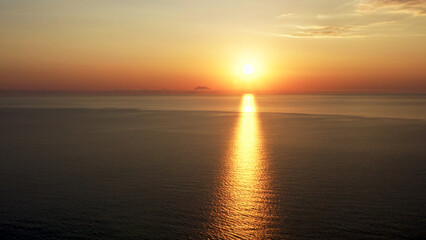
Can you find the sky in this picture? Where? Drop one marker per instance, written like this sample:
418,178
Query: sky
316,46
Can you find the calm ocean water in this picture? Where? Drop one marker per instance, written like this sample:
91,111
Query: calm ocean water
393,106
213,167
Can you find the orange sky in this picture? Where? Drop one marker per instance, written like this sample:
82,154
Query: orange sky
295,46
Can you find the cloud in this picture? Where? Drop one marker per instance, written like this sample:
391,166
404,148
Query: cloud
326,31
414,7
347,31
284,15
355,18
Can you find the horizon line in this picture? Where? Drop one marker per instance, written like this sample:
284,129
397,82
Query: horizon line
206,92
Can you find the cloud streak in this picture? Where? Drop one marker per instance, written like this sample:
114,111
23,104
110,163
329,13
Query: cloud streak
414,7
356,18
284,15
326,31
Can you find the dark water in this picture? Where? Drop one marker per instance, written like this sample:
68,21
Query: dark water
234,167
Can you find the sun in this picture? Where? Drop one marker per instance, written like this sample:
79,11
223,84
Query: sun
248,69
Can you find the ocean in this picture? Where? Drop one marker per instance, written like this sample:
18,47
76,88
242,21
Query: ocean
213,167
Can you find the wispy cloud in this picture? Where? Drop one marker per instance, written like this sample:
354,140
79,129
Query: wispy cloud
323,32
355,18
347,31
415,7
284,15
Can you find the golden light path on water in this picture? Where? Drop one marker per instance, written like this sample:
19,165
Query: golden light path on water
242,207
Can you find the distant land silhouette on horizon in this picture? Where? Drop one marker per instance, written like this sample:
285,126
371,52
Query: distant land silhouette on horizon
201,88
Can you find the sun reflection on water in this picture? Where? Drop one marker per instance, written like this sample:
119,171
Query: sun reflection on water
242,207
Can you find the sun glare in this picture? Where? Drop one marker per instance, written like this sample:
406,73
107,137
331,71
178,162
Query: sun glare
242,206
248,69
247,105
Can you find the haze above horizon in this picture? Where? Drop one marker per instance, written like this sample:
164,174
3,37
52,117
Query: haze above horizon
333,46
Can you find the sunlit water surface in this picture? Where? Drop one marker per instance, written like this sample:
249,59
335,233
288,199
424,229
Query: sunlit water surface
242,204
396,106
213,167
